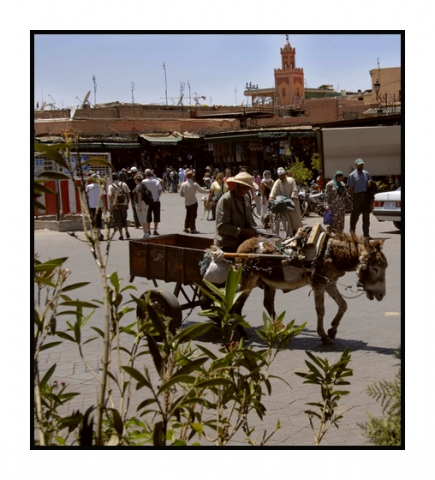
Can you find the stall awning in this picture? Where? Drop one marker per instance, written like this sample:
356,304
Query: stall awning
161,140
273,135
232,138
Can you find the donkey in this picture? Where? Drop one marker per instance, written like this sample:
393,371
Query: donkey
340,254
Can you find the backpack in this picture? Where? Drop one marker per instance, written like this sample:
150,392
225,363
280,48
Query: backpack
120,196
147,196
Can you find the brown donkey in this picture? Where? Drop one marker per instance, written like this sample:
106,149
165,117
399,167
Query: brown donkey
339,254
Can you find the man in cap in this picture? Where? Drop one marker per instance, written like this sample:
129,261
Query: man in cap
234,220
359,182
287,187
119,206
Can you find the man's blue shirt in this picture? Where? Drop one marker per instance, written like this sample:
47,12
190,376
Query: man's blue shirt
358,181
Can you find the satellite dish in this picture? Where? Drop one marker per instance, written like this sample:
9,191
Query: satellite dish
43,105
86,97
72,112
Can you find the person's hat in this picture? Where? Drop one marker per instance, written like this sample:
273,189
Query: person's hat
207,168
244,179
148,172
280,171
133,169
359,161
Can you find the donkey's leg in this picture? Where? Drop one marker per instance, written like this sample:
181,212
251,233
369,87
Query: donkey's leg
319,299
247,283
342,307
269,300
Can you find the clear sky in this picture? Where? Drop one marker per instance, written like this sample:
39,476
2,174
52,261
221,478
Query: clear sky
217,66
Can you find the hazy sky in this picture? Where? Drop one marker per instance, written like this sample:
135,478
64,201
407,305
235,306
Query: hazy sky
217,66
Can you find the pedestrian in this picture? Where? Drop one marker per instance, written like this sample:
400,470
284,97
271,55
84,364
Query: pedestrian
207,181
131,186
119,196
337,200
141,206
153,213
217,189
123,175
234,220
228,175
96,205
256,194
287,187
359,182
188,191
266,187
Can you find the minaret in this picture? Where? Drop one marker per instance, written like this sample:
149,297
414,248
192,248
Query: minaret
289,80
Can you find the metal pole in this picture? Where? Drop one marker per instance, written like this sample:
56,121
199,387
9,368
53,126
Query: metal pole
166,85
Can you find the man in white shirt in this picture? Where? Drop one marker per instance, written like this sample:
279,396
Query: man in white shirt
188,191
287,187
96,205
153,210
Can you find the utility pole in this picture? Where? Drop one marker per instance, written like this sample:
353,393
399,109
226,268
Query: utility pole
166,85
95,90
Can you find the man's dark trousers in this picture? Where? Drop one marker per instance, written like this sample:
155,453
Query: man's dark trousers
361,205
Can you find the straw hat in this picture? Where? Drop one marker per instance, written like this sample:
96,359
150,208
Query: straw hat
245,179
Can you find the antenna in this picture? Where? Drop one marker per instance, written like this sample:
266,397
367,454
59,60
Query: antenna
166,84
132,90
190,98
54,101
95,90
236,95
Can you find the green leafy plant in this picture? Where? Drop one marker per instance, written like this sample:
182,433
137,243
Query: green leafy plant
327,377
300,172
387,429
316,162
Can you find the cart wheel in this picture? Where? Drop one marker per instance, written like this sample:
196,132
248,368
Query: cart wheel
165,303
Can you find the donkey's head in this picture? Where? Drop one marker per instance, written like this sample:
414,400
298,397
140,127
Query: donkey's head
371,269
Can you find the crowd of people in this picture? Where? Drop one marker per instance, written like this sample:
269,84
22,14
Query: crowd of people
229,197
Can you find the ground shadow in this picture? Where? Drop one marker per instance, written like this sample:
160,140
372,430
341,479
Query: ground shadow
307,340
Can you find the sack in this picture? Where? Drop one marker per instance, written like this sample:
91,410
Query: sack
281,204
147,196
217,270
120,196
327,217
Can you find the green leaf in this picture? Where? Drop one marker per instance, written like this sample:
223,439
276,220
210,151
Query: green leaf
52,152
66,336
79,303
178,379
159,438
53,175
207,352
74,286
137,376
99,331
214,382
49,345
146,403
87,428
155,353
193,331
117,421
191,366
47,376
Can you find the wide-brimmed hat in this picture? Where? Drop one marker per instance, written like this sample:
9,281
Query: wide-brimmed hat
133,169
245,179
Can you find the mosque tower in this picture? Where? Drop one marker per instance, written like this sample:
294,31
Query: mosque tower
289,80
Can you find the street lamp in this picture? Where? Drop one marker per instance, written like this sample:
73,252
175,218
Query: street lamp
377,86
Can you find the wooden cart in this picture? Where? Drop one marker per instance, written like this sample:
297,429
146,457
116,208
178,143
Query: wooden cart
175,259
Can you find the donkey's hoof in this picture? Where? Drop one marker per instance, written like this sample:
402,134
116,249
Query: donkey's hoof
332,332
326,341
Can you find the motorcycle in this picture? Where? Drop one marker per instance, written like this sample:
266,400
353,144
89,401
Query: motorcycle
314,203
